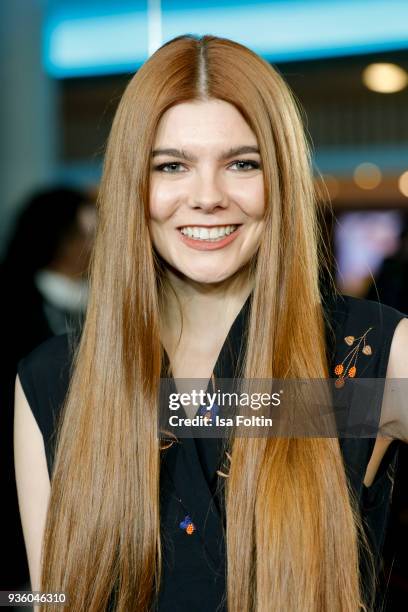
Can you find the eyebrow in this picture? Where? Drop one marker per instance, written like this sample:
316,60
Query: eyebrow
181,154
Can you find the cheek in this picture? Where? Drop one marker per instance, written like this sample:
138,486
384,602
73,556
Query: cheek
252,199
259,202
162,201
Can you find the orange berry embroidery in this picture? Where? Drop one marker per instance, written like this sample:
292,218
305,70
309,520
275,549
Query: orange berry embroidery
349,369
190,528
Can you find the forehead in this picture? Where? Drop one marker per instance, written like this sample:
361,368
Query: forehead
198,123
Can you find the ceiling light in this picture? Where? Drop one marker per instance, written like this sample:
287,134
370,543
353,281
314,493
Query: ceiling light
385,78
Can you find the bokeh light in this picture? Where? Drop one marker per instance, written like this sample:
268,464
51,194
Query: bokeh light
367,176
385,78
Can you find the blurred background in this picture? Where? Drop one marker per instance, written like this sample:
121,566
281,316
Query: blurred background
64,65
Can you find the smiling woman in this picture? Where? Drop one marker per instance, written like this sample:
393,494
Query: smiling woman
206,265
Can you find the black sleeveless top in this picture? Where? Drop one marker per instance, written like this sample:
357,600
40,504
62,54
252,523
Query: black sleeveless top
193,570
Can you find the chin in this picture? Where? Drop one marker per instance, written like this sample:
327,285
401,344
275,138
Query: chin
207,277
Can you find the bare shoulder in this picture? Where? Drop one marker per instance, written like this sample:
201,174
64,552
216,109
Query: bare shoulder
32,480
398,359
394,412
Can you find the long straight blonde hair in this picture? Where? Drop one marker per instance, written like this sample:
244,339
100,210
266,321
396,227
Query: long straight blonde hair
293,529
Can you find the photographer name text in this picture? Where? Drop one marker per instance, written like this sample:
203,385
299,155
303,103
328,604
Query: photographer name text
218,421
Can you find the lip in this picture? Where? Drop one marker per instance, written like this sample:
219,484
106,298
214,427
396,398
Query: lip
207,226
201,245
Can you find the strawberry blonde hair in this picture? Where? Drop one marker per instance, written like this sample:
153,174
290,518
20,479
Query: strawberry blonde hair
293,528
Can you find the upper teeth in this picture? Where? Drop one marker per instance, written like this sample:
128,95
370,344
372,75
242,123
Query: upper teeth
204,233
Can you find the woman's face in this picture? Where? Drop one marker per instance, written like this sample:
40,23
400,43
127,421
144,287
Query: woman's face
206,190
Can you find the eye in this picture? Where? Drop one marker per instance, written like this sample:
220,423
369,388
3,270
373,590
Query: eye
249,163
169,167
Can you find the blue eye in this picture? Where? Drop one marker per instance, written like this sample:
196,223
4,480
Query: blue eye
253,165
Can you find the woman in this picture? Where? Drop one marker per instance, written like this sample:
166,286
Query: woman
207,135
44,292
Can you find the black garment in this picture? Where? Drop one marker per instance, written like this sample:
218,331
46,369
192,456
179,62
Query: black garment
194,565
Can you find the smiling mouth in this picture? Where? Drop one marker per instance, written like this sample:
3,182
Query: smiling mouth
213,233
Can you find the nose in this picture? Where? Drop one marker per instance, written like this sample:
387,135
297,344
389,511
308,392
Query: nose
208,193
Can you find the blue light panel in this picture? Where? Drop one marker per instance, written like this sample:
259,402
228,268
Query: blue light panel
102,39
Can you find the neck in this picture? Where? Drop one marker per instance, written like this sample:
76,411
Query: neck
207,310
